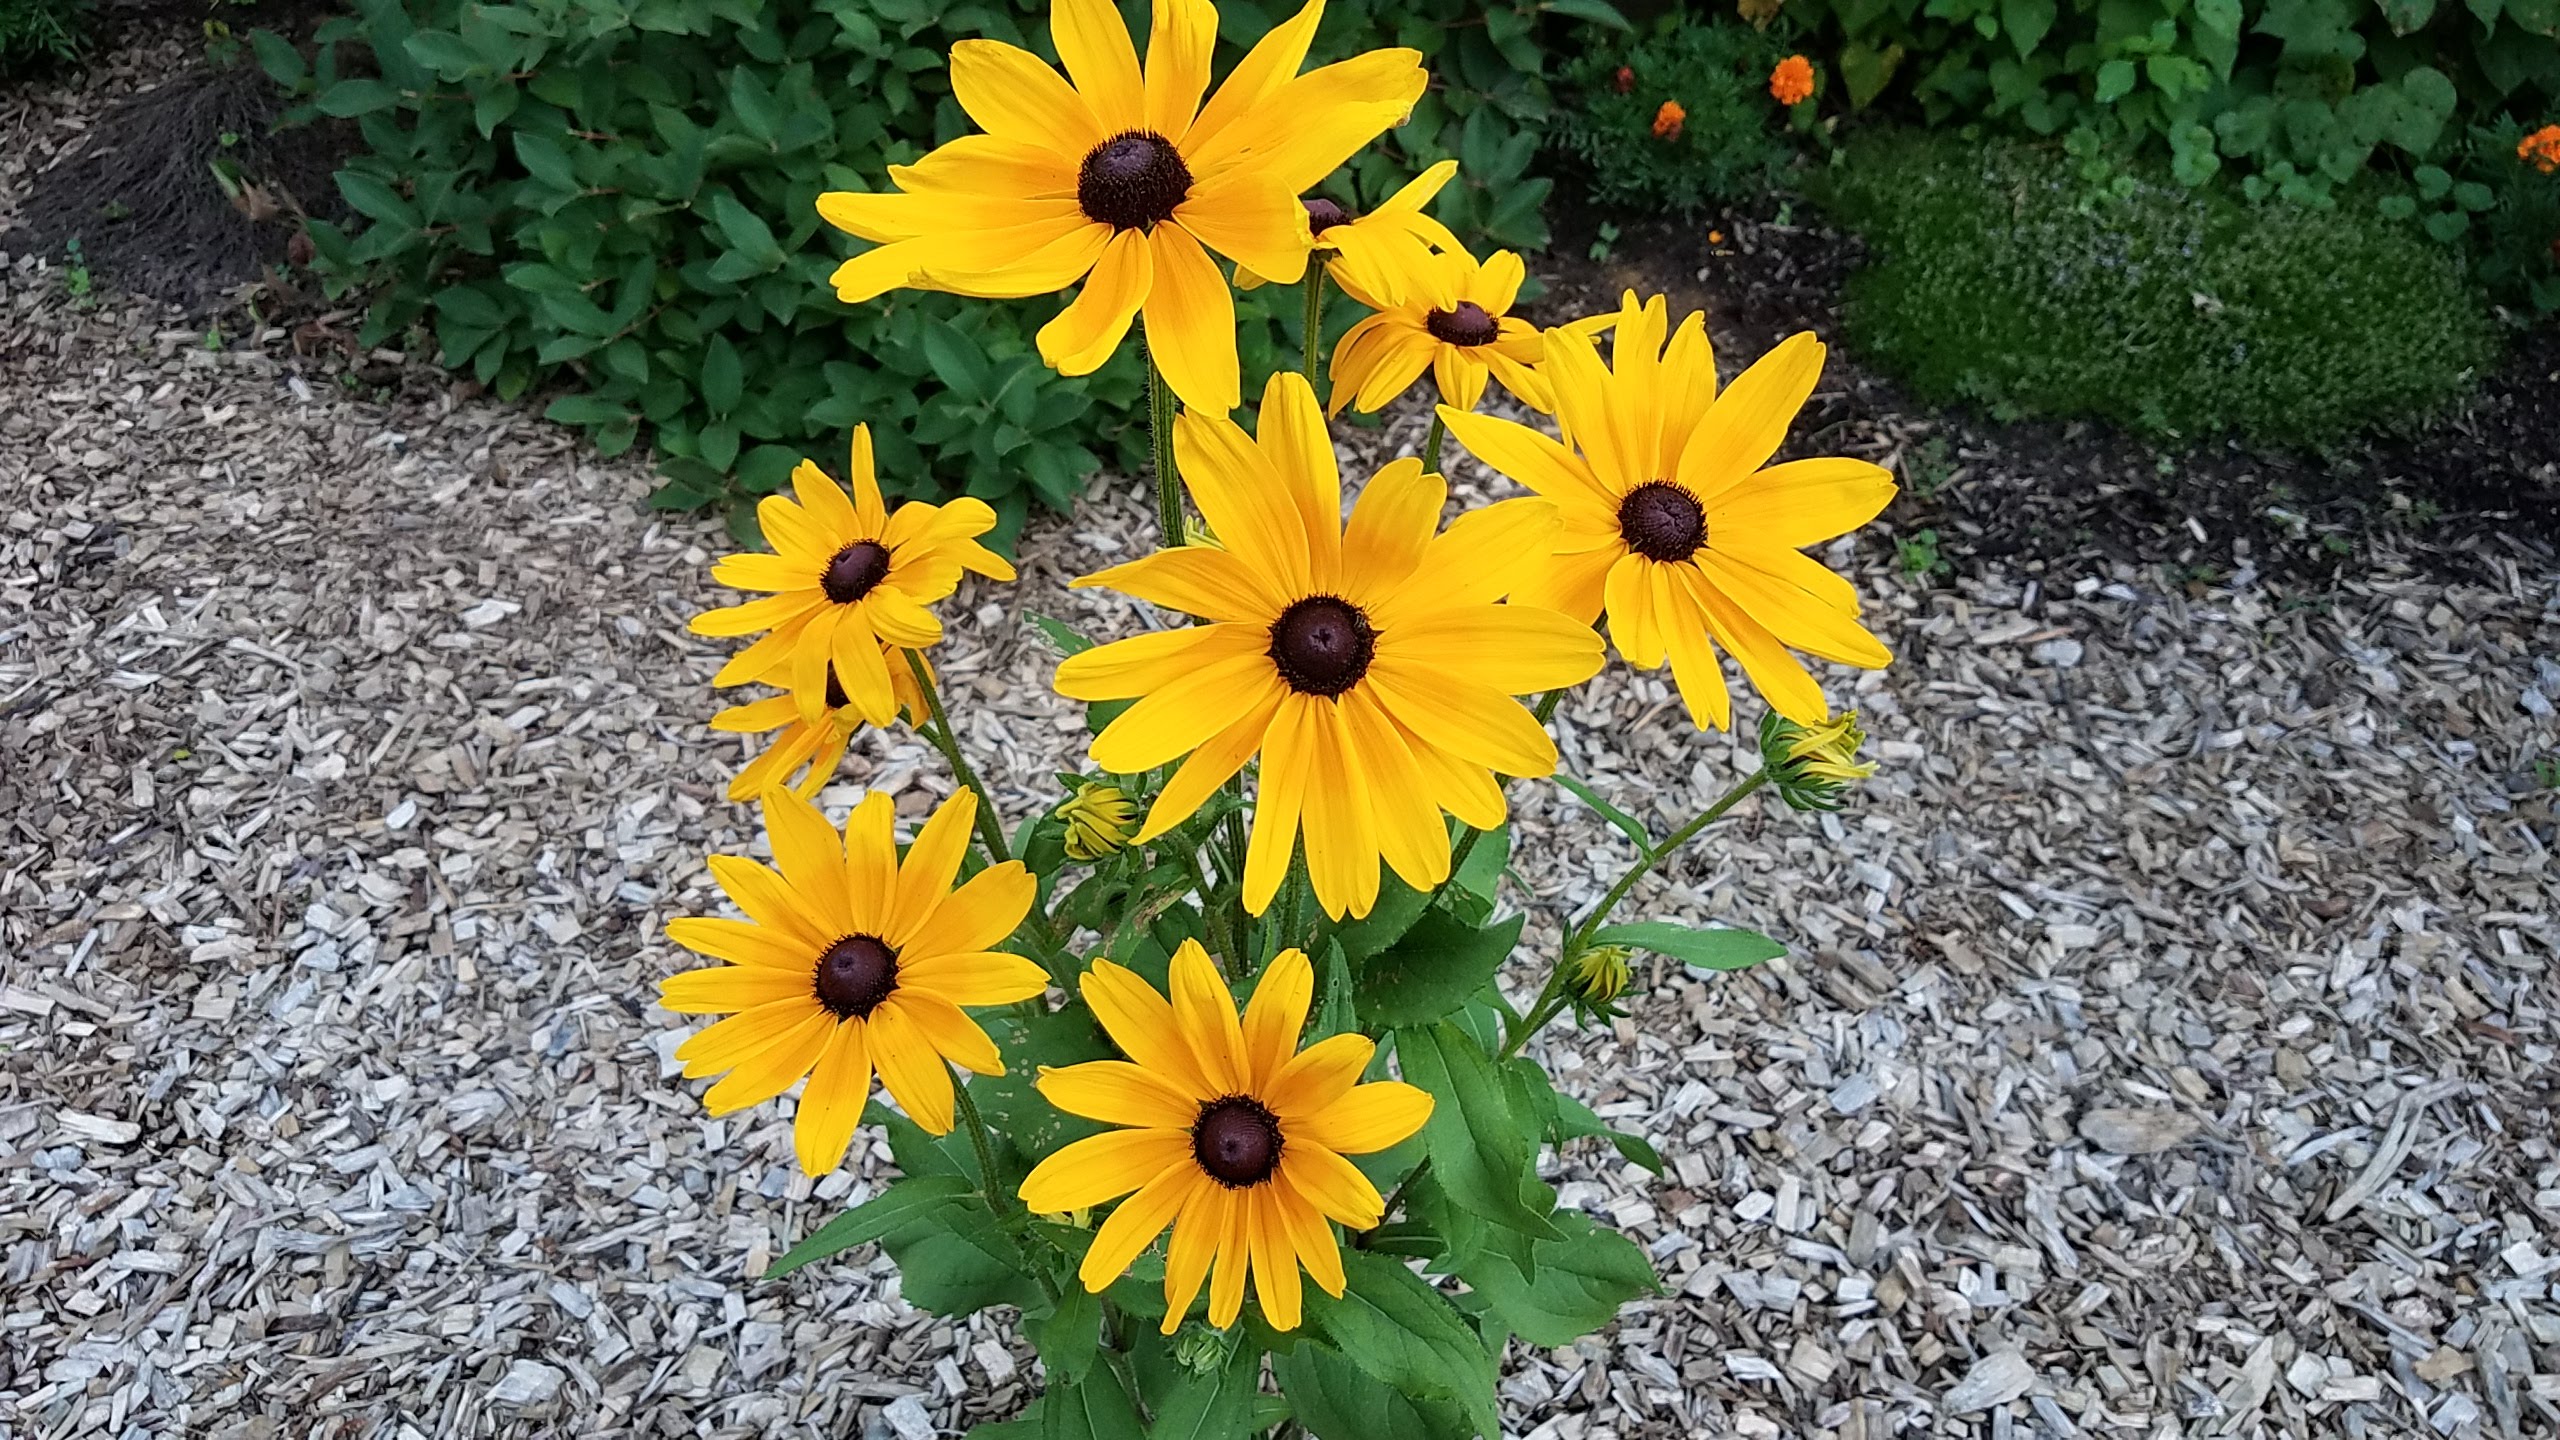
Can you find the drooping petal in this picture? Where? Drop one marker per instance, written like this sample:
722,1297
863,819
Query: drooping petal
1314,1240
1275,1259
1197,1233
1136,1223
1474,722
1179,717
1235,1259
1287,766
1333,1185
1694,666
1410,836
777,1067
832,1104
976,977
1797,618
1191,322
1210,766
911,1067
1251,218
1083,335
1341,837
1632,623
959,1039
1779,677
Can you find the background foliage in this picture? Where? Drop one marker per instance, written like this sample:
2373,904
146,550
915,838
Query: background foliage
38,34
615,197
2169,309
1718,73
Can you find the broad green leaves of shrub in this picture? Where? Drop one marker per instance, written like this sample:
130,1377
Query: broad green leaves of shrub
2178,312
615,198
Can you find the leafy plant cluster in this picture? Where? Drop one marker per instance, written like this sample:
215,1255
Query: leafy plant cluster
2175,311
616,198
2294,98
1397,1357
1725,148
37,35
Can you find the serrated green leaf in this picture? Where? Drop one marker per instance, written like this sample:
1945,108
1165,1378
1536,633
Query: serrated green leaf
1435,968
1405,1335
1480,1150
1069,1334
1578,1286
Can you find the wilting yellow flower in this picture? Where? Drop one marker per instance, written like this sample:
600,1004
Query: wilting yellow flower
851,961
810,751
1367,665
1118,178
852,582
1670,523
1814,765
1455,322
1386,252
1099,819
1235,1138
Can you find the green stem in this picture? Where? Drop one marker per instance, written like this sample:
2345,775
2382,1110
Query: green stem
1361,1240
1160,436
1467,841
1431,444
1314,339
1581,934
938,730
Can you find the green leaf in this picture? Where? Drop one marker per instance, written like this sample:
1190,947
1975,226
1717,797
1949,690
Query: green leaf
1217,1406
2218,17
280,59
1438,966
2433,181
1407,1336
2115,81
1705,949
2473,196
2027,21
746,232
1094,1408
350,98
1068,1335
1068,639
2395,207
724,376
1867,70
903,1203
1579,1285
1336,1400
1626,824
375,199
545,161
1575,1120
2407,15
956,360
1598,12
1480,1151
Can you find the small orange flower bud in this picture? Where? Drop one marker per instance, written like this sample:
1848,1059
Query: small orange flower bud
1625,79
1668,120
1792,82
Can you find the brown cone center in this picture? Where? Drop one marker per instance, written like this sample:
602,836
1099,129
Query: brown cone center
1132,180
854,570
1466,325
1322,645
855,975
1323,214
1662,522
1237,1141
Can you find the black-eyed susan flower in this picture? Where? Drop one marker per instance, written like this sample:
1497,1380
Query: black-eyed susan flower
810,751
1455,322
1100,818
1367,664
850,582
851,961
1234,1137
1813,766
1386,252
1122,178
1671,523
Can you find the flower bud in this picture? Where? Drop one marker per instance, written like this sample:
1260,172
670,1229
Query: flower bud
1199,1351
1595,979
1813,766
1100,819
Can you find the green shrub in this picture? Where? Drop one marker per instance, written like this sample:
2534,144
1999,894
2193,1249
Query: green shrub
1999,275
37,35
1718,72
616,197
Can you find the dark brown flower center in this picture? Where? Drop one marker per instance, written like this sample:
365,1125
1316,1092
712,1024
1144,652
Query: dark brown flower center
1132,180
1237,1141
1662,522
1322,645
836,698
854,570
855,975
1323,214
1466,325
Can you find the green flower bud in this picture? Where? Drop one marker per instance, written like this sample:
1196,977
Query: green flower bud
1813,766
1100,819
1597,977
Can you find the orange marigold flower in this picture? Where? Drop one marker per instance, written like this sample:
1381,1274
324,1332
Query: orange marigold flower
1792,82
2541,149
1668,120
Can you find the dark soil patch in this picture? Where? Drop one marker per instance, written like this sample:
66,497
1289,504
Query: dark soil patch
147,198
2483,481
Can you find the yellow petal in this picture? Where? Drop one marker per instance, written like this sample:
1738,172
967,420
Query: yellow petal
1247,504
1532,459
1235,1259
1516,649
1287,768
748,1033
1178,717
925,875
832,1104
777,1067
977,977
1370,1117
959,1038
1266,67
1474,722
810,854
1011,94
1688,382
1392,523
1303,131
744,943
1309,1235
1136,1223
1459,375
1797,618
1179,44
1273,1018
1462,788
1333,1185
1102,1168
1632,622
1117,1092
1777,675
1008,264
1191,322
1290,433
871,863
1694,665
1140,1022
1275,1259
755,615
1198,580
1197,1233
1800,503
977,916
1411,837
1478,559
1083,335
911,1067
1251,218
1749,420
1210,766
1342,840
988,165
770,901
1204,1015
763,572
1125,669
722,989
1316,1077
1101,62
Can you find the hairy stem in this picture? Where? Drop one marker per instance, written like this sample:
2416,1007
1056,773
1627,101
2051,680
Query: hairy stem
1160,435
1313,355
1467,841
1580,936
938,730
1431,444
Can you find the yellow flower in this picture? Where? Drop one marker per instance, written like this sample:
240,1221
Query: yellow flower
1118,178
1456,322
1598,976
1367,665
1099,819
851,584
1386,252
818,746
851,961
1670,523
1812,765
1235,1138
